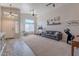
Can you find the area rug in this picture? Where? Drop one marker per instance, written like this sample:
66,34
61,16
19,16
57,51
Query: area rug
42,46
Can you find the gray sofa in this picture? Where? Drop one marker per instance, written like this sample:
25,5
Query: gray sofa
56,35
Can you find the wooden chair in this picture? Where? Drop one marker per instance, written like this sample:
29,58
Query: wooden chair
75,43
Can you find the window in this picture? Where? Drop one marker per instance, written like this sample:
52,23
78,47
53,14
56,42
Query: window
29,25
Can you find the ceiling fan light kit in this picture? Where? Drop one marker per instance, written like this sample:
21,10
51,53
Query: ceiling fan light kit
53,5
33,14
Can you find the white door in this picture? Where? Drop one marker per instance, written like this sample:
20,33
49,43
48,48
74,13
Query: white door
8,26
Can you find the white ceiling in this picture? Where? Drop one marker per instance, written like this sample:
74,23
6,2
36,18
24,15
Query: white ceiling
39,8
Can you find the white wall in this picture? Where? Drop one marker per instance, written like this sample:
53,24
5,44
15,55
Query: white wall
66,12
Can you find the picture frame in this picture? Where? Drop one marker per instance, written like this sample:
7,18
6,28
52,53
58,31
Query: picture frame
54,21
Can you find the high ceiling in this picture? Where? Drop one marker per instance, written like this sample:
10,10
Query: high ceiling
39,8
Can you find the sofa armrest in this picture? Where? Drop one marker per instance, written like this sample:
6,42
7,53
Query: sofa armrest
59,35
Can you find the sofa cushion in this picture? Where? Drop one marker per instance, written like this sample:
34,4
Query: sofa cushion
56,33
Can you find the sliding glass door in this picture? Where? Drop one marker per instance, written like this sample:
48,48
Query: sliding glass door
29,26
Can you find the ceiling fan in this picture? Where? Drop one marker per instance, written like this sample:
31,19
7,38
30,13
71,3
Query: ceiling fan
53,4
10,13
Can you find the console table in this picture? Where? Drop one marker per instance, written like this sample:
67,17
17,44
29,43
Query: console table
75,43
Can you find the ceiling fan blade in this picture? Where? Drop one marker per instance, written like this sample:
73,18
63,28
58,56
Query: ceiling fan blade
6,12
48,4
14,14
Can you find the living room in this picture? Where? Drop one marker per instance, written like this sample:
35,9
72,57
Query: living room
43,17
